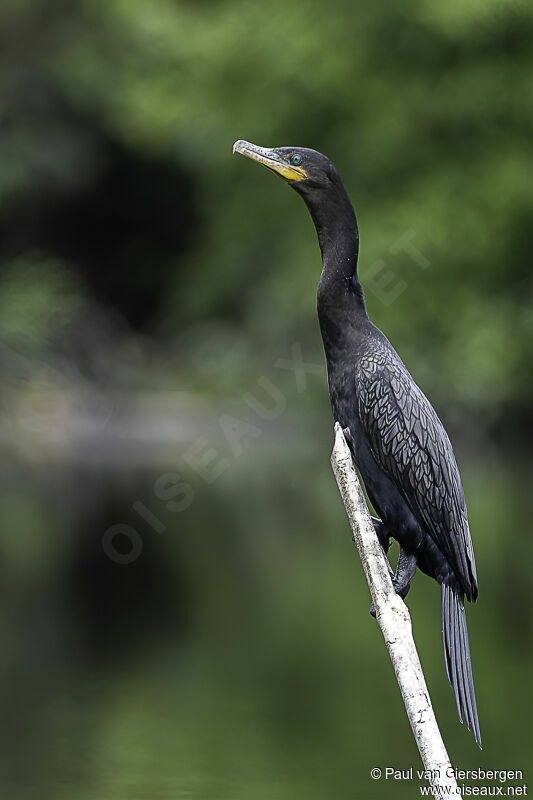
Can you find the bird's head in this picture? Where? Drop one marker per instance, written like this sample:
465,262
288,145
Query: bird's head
307,171
315,178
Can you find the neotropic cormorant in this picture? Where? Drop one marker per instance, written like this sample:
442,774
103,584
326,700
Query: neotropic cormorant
397,441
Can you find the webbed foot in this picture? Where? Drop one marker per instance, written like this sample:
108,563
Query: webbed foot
405,570
401,579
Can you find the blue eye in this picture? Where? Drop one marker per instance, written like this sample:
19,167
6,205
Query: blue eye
295,160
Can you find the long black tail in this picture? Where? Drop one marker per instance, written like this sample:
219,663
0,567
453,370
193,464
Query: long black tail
457,657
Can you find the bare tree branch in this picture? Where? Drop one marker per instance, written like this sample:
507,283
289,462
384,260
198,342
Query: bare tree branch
395,623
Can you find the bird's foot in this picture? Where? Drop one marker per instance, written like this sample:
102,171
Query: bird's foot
405,570
401,589
382,534
348,436
401,579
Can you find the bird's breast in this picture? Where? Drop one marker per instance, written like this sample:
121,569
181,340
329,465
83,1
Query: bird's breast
343,394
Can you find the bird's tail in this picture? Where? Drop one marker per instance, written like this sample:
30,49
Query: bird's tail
457,657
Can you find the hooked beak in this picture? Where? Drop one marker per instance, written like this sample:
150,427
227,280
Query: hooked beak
270,159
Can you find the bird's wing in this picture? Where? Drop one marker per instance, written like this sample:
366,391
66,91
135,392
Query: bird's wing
411,446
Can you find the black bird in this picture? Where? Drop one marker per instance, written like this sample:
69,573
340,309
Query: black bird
397,441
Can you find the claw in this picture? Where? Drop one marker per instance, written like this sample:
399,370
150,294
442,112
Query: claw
381,533
348,436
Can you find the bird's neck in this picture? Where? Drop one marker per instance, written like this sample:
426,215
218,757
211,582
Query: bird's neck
338,237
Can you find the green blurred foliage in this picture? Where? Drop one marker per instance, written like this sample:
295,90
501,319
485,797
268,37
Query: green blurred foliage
424,111
276,685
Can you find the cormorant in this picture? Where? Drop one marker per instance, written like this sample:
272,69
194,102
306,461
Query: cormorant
397,441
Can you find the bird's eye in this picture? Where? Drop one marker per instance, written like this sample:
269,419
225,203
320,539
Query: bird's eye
296,159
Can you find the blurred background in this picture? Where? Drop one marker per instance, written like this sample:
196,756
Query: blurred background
183,614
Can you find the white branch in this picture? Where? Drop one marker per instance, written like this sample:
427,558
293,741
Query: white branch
395,623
